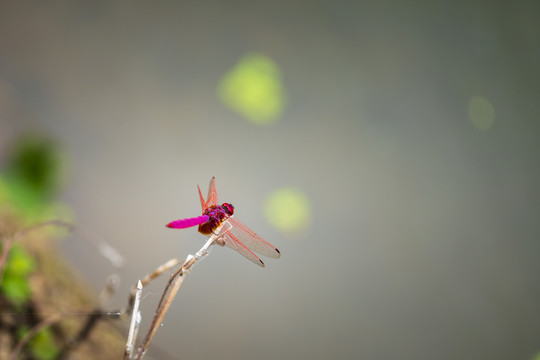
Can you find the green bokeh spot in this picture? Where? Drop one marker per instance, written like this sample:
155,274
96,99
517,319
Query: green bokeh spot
253,88
288,209
481,113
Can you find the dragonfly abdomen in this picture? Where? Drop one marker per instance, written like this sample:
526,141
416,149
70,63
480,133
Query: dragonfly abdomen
185,223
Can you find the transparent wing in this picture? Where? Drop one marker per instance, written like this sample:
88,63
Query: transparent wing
241,233
212,198
232,242
203,203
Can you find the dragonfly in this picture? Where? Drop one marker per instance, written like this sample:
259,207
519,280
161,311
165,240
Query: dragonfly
233,234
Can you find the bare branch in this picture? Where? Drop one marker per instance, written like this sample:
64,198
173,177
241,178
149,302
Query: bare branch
135,322
160,270
167,296
54,318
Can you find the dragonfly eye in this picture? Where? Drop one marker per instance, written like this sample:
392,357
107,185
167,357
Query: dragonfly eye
229,209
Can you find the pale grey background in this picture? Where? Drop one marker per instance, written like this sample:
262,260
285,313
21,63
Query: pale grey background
425,240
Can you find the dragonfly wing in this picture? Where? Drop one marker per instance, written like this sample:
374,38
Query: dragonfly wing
203,203
212,198
232,242
252,241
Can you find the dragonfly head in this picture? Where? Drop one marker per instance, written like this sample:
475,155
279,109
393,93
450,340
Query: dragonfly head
229,209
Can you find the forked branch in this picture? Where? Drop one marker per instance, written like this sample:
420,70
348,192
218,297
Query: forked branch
170,291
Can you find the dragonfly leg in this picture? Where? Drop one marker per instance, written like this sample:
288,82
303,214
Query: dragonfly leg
220,241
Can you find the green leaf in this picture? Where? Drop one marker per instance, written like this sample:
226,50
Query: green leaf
23,197
36,162
43,345
15,285
19,262
15,288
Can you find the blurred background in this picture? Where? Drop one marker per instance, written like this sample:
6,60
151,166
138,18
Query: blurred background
389,149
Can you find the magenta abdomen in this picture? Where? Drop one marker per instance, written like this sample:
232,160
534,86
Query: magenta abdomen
185,223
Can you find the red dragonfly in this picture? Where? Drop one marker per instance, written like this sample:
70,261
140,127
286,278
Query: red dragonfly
233,234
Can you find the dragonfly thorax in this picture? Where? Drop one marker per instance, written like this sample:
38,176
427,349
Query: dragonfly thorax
216,215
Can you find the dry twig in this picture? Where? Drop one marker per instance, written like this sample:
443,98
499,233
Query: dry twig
135,322
174,283
54,318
